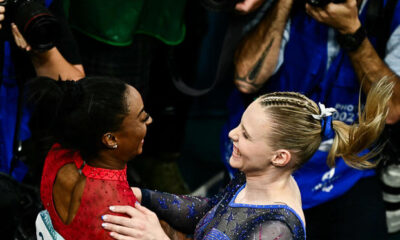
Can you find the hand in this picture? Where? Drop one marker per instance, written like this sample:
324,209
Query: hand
248,6
138,193
19,39
2,11
341,16
141,224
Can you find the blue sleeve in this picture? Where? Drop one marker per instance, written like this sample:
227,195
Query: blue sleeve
184,212
181,212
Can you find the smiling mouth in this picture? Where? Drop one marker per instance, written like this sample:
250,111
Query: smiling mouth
236,152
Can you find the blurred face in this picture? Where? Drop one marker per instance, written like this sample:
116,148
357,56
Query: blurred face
251,152
130,137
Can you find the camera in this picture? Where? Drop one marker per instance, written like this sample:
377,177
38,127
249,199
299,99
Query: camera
323,3
35,22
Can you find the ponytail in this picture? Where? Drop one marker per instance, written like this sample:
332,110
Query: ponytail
349,141
52,101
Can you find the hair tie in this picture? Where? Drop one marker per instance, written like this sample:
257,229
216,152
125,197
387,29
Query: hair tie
72,93
324,112
70,87
325,117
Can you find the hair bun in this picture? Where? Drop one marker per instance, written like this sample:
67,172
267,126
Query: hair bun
73,93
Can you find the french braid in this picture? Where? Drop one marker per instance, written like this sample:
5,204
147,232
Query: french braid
293,127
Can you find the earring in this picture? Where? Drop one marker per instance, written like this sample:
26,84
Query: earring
115,146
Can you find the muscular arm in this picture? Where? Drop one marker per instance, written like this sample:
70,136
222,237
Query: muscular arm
368,66
52,64
257,56
49,63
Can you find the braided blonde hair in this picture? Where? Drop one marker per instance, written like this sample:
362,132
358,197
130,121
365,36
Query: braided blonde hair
293,127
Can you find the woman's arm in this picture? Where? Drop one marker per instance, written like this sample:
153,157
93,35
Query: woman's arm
257,56
141,224
52,63
181,212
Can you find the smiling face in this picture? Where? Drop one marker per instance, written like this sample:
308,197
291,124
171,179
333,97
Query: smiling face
130,136
251,152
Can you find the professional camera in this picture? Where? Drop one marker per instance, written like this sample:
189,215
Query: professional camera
35,22
323,3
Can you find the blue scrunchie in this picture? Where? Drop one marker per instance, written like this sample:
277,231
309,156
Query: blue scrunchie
327,131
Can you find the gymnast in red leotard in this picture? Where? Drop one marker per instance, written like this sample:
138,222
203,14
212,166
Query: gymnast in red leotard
97,125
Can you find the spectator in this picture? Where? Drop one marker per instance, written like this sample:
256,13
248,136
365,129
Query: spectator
61,61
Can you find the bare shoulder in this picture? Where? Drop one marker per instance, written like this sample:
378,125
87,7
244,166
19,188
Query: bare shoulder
76,197
65,189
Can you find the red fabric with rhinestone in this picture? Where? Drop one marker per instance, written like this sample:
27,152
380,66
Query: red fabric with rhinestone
103,188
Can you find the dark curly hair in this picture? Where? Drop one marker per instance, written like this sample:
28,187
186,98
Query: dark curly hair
76,114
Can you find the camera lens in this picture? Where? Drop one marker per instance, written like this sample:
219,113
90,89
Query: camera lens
37,25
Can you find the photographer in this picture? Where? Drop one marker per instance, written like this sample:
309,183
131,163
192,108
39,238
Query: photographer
321,49
21,60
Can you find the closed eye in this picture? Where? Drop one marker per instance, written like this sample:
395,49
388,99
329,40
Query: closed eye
244,132
245,135
146,118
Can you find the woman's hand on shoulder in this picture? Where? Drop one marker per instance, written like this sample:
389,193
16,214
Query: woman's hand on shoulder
141,224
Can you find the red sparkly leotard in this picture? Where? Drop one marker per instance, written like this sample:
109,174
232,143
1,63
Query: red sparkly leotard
103,188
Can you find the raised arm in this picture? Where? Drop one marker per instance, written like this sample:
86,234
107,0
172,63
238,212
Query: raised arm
368,66
61,61
257,56
53,65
